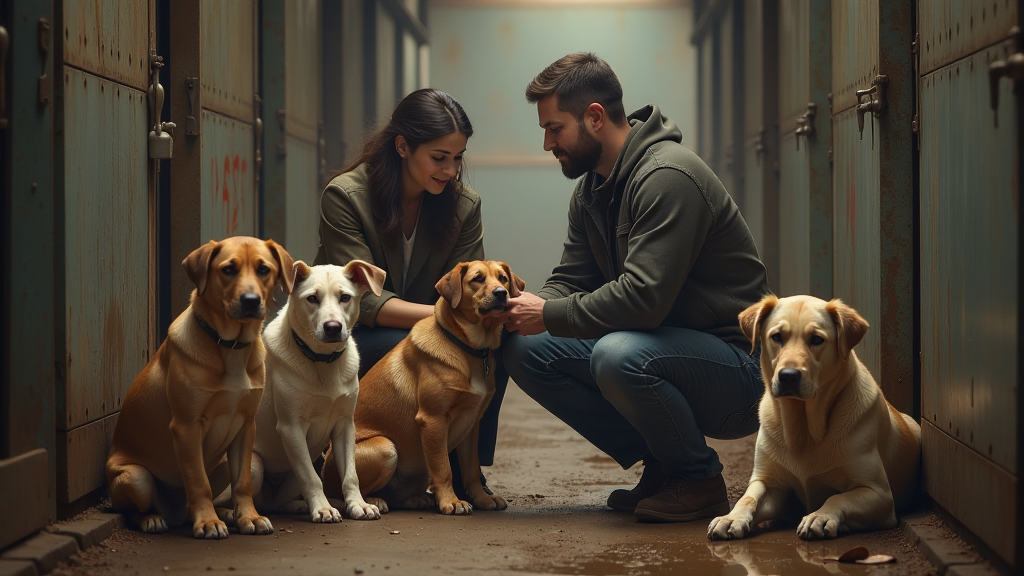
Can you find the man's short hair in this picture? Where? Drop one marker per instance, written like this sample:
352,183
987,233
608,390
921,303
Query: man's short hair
580,79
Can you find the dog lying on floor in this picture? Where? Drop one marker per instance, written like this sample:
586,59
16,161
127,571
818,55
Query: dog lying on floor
196,400
829,442
428,394
311,391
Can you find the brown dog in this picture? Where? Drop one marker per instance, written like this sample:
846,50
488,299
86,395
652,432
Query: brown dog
829,442
196,400
428,394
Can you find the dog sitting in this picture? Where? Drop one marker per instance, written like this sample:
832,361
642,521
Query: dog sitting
196,400
428,394
311,391
828,440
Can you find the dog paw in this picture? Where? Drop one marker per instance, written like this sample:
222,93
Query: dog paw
456,508
382,506
424,501
226,515
727,528
153,524
490,502
367,511
210,529
325,515
255,525
817,526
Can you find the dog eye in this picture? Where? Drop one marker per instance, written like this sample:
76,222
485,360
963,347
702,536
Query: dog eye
817,340
312,299
263,270
478,278
502,278
345,298
777,337
229,270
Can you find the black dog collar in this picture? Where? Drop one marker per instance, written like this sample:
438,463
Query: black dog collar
231,344
481,353
315,357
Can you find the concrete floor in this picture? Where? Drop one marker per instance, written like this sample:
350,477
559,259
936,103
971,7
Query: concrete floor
556,523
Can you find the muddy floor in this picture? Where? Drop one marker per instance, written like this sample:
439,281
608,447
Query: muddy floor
556,484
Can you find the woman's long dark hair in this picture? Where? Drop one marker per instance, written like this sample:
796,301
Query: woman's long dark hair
422,116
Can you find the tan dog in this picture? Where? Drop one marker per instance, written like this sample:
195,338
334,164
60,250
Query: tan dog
196,400
828,437
427,395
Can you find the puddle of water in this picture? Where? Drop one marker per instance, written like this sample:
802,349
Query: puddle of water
737,558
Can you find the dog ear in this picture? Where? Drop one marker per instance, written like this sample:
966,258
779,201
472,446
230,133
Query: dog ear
752,318
366,275
515,282
285,262
300,272
197,264
450,287
850,326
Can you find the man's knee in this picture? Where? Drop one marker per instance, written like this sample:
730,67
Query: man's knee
616,365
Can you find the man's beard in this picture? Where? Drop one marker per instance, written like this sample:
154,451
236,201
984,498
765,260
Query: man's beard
582,157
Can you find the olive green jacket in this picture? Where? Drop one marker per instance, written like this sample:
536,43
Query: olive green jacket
348,232
659,243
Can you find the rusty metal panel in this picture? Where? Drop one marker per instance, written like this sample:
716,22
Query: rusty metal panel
82,453
794,43
952,29
106,245
302,203
969,259
228,51
977,492
794,219
386,31
856,226
855,59
109,38
302,67
24,479
228,198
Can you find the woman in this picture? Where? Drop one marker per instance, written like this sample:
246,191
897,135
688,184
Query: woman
403,207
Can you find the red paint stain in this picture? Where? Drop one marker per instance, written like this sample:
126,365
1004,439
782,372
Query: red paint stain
229,191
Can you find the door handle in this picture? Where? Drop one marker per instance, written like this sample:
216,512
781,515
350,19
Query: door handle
875,105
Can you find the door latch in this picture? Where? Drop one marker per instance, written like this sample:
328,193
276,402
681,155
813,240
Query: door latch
876,105
805,123
1012,67
161,140
45,85
191,124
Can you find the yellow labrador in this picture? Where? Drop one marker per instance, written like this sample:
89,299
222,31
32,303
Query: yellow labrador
828,440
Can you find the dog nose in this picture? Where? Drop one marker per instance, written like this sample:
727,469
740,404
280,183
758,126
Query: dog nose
789,382
249,301
332,328
500,293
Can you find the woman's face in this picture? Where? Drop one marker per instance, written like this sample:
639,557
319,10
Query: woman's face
433,164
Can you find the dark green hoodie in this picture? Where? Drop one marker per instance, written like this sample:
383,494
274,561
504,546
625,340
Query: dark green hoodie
659,243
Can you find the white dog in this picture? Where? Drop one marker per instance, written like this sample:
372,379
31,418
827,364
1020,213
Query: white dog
310,394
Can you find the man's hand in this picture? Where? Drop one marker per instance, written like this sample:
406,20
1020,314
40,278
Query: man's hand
524,314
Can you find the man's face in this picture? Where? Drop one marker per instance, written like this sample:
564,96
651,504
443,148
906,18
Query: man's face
577,151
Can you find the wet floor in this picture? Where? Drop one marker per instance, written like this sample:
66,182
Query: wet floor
556,484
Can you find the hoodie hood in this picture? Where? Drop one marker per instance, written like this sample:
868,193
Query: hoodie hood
649,128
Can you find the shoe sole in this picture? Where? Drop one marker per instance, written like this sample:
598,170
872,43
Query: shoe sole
644,515
622,508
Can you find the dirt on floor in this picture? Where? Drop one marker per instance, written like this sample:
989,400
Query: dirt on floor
556,484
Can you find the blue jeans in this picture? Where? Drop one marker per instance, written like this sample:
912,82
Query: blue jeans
640,394
374,343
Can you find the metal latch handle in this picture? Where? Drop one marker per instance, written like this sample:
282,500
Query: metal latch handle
805,123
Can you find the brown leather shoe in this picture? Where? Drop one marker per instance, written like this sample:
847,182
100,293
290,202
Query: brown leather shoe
685,499
650,482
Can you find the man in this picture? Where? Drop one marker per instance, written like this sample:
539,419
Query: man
634,340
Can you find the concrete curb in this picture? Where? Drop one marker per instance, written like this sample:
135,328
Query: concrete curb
948,557
41,553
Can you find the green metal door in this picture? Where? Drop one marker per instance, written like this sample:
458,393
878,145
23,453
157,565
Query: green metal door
213,92
104,214
970,266
873,187
293,176
805,170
